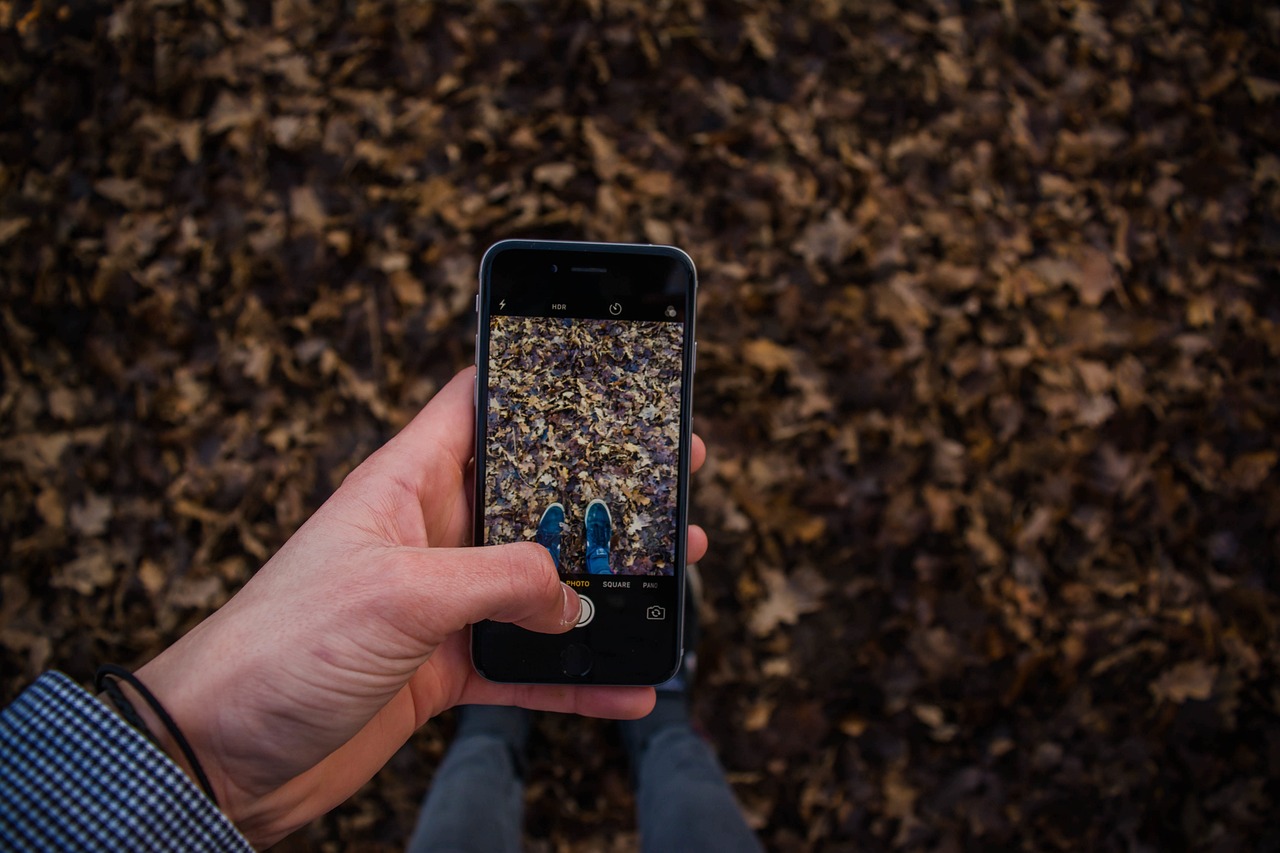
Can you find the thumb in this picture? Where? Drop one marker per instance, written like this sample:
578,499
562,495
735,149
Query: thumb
515,583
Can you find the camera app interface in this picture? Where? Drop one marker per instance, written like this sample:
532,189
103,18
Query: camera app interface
583,437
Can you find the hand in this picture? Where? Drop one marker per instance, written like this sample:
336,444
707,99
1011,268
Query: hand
303,685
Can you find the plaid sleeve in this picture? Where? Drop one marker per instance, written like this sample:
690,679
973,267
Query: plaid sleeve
75,776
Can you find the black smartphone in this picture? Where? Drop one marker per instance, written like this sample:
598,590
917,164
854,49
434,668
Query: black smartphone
585,356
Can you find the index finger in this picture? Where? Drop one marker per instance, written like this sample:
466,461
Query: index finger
697,452
445,424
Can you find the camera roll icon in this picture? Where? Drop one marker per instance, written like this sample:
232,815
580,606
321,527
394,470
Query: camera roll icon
655,613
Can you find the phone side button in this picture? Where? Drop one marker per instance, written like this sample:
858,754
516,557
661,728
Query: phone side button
576,660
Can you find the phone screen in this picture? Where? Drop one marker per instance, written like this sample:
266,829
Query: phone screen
583,394
585,412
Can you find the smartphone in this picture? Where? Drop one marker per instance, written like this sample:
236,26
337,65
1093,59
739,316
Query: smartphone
585,355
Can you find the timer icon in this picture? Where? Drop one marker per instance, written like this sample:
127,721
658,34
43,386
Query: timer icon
615,309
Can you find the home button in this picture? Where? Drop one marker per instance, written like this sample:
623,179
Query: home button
575,660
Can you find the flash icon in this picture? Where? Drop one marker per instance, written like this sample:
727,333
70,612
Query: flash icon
502,304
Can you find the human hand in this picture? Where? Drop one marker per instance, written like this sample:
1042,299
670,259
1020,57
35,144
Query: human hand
303,685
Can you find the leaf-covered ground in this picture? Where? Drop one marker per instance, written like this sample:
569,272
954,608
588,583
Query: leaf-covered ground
581,410
989,328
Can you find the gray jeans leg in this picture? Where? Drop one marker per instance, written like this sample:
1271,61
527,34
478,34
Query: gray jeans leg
684,801
476,801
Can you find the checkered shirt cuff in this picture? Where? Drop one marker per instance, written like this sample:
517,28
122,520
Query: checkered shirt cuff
75,776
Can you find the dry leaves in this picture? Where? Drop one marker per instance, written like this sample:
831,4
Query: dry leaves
988,325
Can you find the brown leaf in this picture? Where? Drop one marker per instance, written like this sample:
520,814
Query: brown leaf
407,288
10,228
829,240
127,192
306,208
1097,276
1262,89
767,355
1191,679
86,574
604,154
555,175
51,507
758,715
151,575
1250,470
788,597
90,518
229,112
204,593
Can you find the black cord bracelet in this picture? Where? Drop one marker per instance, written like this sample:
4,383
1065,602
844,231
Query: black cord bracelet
124,706
102,681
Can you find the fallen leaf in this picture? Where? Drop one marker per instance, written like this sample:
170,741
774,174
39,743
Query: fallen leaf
90,518
1191,679
86,574
787,598
829,240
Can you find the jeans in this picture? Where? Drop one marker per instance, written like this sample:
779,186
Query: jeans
683,801
476,802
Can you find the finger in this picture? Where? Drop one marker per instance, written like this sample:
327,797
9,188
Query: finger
446,424
514,583
697,544
609,703
697,452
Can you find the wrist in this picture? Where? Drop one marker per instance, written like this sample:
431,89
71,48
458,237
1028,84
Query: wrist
124,693
138,715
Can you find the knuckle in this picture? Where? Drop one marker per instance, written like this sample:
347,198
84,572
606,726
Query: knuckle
396,573
532,571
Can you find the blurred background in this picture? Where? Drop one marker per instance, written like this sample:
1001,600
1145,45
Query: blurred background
989,333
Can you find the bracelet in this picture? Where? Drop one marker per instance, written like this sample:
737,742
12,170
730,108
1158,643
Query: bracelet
102,681
125,707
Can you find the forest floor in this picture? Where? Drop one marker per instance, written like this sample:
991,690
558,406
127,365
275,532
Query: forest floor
989,325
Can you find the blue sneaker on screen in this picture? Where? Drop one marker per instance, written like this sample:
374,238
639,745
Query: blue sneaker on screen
599,534
549,526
